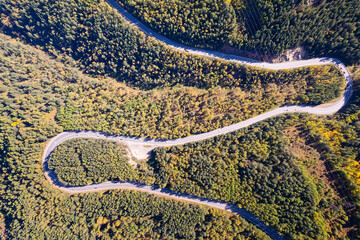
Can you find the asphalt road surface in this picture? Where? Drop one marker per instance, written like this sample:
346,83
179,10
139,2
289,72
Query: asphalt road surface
141,147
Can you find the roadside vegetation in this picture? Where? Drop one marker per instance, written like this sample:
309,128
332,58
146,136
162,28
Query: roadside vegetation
325,28
85,161
207,23
103,43
340,138
328,27
107,106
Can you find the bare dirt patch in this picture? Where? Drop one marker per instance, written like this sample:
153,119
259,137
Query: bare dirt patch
307,155
2,228
51,116
295,54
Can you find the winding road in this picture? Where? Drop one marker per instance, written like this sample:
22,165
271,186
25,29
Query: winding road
140,147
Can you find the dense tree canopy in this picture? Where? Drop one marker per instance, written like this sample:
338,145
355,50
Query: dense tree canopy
104,43
85,161
181,111
326,28
206,23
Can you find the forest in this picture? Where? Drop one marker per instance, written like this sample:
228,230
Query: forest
257,168
326,28
85,161
207,23
31,89
181,111
103,43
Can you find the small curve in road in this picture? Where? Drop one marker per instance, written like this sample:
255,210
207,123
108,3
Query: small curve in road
321,109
